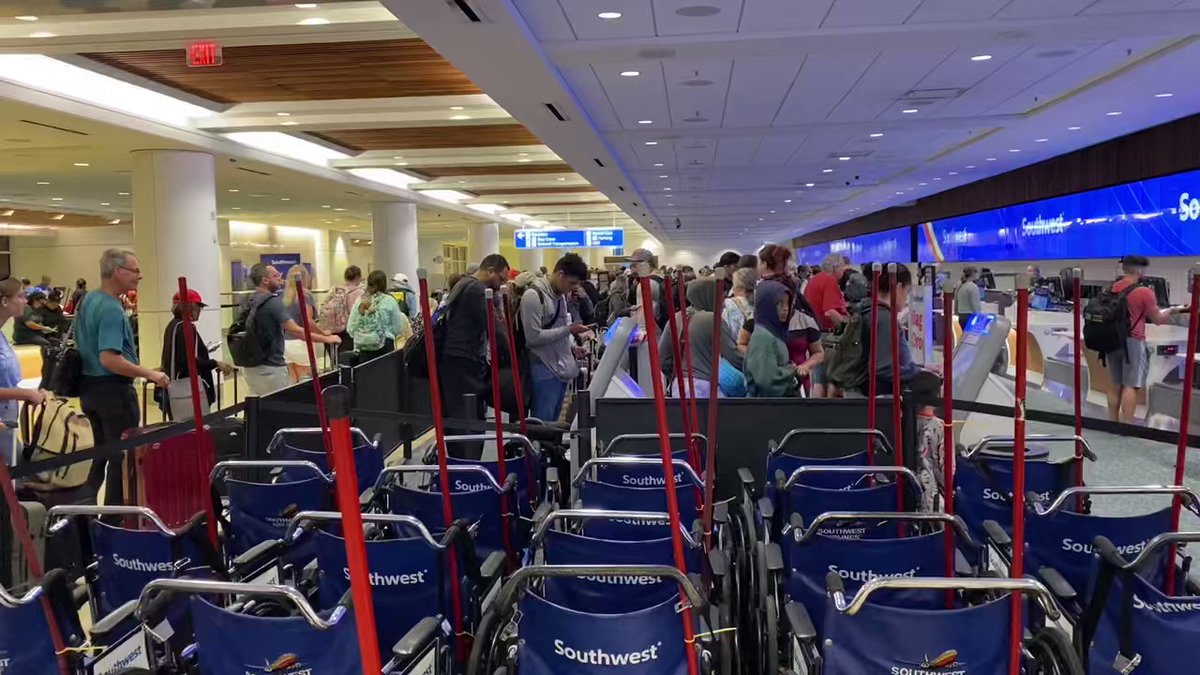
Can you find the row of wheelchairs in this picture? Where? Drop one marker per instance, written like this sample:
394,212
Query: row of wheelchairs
856,567
536,573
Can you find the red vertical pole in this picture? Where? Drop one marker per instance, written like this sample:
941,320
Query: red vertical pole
1077,349
685,346
346,487
948,457
518,391
1185,417
439,430
872,380
897,432
714,387
664,443
204,449
681,388
322,418
1018,497
489,300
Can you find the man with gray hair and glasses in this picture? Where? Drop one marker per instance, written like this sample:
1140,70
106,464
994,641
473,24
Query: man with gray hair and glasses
109,356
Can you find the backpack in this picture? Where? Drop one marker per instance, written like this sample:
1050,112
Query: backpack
656,295
847,366
518,328
368,332
415,361
335,311
51,430
247,345
1106,321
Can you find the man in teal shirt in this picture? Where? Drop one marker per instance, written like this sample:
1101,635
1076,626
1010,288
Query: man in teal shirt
107,350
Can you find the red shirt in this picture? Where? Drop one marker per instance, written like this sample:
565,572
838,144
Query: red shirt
824,294
1142,304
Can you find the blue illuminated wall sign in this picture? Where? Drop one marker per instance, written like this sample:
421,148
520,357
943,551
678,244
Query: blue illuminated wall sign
597,237
1155,217
889,245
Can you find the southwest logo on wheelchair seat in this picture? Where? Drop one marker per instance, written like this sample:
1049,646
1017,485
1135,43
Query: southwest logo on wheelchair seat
397,579
648,481
946,663
993,496
285,516
600,657
135,565
460,486
5,662
867,575
287,664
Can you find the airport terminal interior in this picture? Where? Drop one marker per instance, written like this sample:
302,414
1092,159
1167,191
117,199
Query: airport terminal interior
582,337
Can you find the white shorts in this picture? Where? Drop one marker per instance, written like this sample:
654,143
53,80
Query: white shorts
296,352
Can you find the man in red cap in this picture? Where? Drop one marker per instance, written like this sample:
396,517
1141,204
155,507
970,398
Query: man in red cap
174,353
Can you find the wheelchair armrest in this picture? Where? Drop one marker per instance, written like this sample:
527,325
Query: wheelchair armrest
543,511
767,508
717,563
367,498
1057,583
721,513
774,557
257,554
493,566
416,639
80,595
799,620
747,479
552,476
102,629
997,534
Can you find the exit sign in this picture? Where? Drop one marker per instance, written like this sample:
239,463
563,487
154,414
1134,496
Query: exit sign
204,55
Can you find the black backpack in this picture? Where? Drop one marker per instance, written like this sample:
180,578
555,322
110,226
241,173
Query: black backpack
847,365
1106,321
247,345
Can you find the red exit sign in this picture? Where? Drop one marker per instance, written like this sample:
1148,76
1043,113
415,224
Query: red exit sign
204,55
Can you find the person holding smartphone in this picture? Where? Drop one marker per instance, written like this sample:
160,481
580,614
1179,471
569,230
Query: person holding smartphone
549,329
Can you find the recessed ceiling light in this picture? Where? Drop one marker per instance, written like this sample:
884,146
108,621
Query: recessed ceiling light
982,57
1014,149
524,161
844,159
313,21
1115,113
670,205
609,15
937,177
953,173
115,221
122,194
1074,128
991,159
909,111
1165,94
57,216
289,123
899,192
26,17
457,107
809,184
877,134
666,189
826,170
630,73
645,121
285,199
772,212
306,5
339,209
401,163
237,208
326,206
787,201
105,204
284,114
400,157
56,199
460,117
922,184
43,182
970,166
658,164
562,179
761,219
664,176
651,142
43,34
234,190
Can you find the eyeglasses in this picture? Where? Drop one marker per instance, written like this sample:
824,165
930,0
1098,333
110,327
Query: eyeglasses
131,269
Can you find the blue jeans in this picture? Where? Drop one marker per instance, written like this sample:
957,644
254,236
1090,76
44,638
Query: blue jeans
548,391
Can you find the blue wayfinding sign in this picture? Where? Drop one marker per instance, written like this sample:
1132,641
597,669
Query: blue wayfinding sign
1154,217
597,237
890,246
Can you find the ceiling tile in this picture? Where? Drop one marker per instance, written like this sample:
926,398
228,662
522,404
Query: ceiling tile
1043,9
822,83
587,87
890,77
546,19
635,98
757,89
697,16
1014,76
1131,6
697,90
737,151
777,150
934,11
848,13
960,72
778,15
637,18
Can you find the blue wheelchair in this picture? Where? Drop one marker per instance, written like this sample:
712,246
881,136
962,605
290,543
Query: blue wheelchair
1132,625
259,628
983,477
26,643
629,483
524,633
307,444
521,459
647,445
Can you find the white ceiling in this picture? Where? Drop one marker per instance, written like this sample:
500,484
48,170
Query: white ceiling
751,100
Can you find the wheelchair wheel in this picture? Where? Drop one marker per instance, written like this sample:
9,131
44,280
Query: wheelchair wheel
1053,653
486,651
771,654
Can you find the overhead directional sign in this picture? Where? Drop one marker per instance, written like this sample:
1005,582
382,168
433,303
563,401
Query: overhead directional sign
596,237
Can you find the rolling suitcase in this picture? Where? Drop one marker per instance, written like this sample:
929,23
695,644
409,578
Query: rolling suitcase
169,477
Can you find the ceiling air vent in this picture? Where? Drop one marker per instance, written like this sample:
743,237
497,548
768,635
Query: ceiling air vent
253,171
554,111
51,126
855,154
467,10
929,96
598,162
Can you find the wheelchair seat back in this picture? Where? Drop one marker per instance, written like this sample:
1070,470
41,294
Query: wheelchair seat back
1063,540
514,466
983,485
127,560
555,640
231,642
368,457
609,497
881,638
26,646
643,476
1164,630
482,507
260,512
610,594
810,501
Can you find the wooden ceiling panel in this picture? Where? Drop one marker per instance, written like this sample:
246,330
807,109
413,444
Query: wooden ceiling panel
47,219
303,72
537,190
413,138
516,205
495,170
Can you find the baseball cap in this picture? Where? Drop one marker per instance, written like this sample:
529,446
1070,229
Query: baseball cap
35,294
193,298
400,278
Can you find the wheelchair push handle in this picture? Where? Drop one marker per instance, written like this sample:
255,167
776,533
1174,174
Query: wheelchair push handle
959,525
862,470
298,520
1007,442
510,483
1028,587
10,601
522,577
60,515
204,587
547,523
1108,551
226,467
526,444
1189,497
880,437
634,460
357,435
624,438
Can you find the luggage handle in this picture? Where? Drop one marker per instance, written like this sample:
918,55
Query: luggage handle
201,587
547,523
1023,586
1190,498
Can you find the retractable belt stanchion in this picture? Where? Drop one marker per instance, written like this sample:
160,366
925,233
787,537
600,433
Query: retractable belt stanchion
714,388
1185,415
872,381
322,418
489,299
897,433
664,443
948,433
685,346
205,453
1077,349
1017,568
439,431
680,386
346,487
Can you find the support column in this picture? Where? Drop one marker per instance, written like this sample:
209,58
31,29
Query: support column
175,234
224,274
483,239
529,259
394,230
